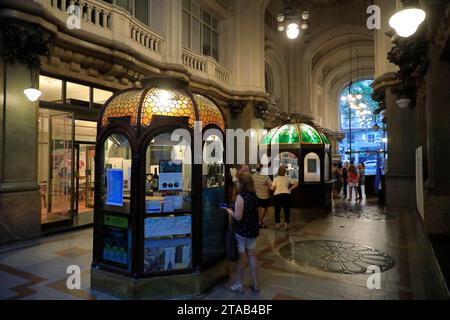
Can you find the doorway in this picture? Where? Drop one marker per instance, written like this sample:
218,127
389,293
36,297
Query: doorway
84,182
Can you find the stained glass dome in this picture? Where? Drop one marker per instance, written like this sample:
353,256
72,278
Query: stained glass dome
142,107
294,133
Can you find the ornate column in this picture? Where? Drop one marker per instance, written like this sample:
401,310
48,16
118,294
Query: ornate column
20,210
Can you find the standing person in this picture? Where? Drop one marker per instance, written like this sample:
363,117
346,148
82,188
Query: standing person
246,227
361,180
339,177
282,185
345,178
262,187
353,178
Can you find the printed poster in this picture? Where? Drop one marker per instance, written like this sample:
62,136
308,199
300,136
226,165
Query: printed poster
114,186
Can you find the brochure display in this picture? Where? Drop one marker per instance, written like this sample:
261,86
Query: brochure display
115,187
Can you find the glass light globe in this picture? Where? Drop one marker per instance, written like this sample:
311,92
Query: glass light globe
305,15
280,28
292,31
407,21
304,26
32,94
280,17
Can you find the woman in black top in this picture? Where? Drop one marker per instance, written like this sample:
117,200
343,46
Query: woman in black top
246,227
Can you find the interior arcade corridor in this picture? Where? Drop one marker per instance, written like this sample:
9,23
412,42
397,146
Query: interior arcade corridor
363,233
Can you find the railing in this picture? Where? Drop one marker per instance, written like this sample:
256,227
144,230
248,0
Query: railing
144,37
205,66
108,21
93,12
116,25
194,61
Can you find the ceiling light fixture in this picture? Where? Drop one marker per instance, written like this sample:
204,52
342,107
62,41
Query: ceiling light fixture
292,19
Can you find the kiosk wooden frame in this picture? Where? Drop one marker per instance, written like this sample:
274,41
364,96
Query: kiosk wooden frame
133,119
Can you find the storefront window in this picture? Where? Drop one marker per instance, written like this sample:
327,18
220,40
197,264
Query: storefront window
51,89
77,94
100,97
168,203
116,175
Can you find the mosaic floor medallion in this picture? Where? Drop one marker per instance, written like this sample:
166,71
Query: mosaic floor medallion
336,256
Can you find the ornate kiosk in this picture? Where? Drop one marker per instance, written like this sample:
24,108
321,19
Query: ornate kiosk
158,229
305,152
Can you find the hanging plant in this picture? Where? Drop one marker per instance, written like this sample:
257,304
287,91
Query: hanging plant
23,43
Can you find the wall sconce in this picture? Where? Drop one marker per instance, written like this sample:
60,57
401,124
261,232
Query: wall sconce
403,103
407,20
33,93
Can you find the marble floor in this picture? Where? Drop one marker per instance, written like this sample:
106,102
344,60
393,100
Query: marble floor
322,256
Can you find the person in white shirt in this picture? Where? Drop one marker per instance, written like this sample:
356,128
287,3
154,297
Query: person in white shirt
282,186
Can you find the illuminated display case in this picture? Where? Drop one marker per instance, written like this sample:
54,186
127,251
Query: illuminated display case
305,152
158,225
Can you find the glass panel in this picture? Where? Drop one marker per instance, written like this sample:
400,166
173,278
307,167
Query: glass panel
286,134
215,45
116,175
196,38
214,24
141,10
206,40
85,131
77,94
59,188
157,16
187,5
195,9
290,162
214,219
126,4
168,222
206,18
100,97
51,89
186,30
309,134
85,178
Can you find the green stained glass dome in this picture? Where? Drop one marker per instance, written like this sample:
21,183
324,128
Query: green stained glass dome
294,133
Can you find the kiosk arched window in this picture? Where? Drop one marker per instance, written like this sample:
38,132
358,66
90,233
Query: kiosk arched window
312,167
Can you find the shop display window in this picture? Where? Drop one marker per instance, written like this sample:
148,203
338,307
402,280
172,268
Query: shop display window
77,94
51,89
168,203
290,162
116,175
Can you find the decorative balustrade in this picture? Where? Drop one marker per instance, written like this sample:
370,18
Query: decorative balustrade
206,66
93,12
144,37
115,24
222,74
194,61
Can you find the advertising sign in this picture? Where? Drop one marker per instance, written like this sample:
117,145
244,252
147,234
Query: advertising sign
114,186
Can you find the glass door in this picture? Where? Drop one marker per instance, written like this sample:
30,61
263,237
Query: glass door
84,177
61,166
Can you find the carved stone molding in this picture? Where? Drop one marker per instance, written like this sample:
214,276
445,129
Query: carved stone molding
236,108
24,43
410,55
